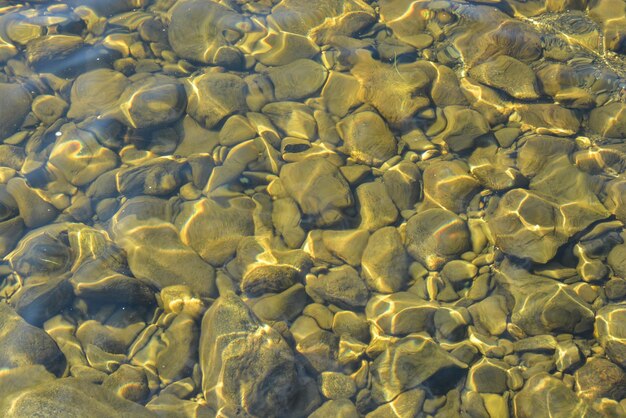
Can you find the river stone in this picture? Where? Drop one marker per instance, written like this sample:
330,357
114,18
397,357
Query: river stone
341,286
340,408
151,102
40,298
490,314
616,198
609,120
448,185
34,210
385,262
214,230
334,385
157,254
403,184
544,396
495,167
320,348
367,138
268,278
294,119
15,102
524,225
508,74
401,313
231,336
179,349
435,236
375,206
610,331
78,155
407,404
158,177
397,92
23,344
462,128
600,378
617,260
319,189
281,48
212,97
28,392
411,362
45,51
541,305
488,376
297,80
129,382
547,118
206,31
108,83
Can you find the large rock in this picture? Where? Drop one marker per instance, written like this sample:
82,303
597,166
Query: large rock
245,364
541,305
544,396
22,344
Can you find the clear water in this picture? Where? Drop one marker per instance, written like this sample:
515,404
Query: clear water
312,208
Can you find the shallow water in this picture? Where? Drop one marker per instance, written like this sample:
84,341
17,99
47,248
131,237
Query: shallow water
328,208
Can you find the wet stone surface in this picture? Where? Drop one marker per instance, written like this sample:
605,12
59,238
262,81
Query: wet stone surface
337,208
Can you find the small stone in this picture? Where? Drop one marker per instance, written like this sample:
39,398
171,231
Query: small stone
49,109
34,210
617,260
403,184
401,313
319,189
284,306
334,385
407,404
609,120
129,382
451,324
448,185
490,314
348,323
268,278
340,93
567,356
321,350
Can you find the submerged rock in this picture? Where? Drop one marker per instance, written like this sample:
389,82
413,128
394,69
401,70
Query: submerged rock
232,336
